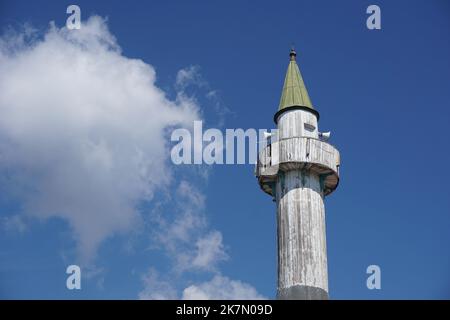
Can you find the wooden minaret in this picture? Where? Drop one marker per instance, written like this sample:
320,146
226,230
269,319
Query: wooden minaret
298,168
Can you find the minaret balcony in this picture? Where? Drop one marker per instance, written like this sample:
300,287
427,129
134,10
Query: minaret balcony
298,153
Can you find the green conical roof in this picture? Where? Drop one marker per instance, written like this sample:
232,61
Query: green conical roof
294,90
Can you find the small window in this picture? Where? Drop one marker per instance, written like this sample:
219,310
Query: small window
309,127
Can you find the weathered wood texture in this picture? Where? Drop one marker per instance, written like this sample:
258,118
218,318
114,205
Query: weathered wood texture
297,123
299,153
299,170
302,258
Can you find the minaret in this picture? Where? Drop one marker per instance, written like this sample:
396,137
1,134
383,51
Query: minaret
298,168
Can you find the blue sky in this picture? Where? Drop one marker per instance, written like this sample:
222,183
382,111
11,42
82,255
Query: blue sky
384,94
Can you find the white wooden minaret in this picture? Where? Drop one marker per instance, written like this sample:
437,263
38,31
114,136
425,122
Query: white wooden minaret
298,169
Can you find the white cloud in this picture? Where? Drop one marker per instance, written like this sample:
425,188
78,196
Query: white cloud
218,288
193,247
210,251
189,203
82,130
190,76
13,223
156,288
186,238
82,138
221,288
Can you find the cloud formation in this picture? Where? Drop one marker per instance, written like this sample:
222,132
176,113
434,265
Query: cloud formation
221,288
83,138
157,289
193,247
210,250
186,237
82,130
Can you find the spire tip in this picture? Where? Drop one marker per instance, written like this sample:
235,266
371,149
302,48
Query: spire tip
292,53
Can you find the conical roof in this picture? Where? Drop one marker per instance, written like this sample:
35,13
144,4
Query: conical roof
294,93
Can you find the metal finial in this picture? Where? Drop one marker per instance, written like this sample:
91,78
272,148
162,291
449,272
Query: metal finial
292,53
